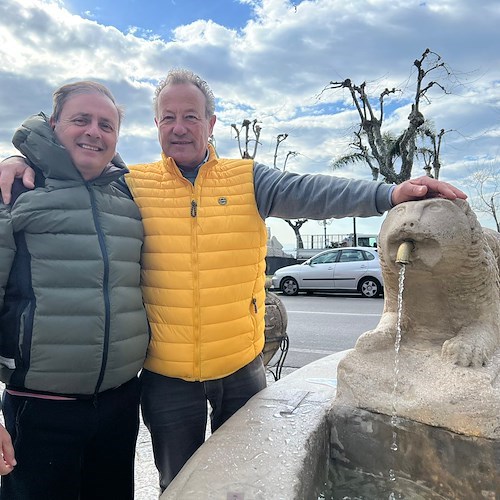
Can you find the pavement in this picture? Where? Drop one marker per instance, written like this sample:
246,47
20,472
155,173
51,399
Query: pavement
146,475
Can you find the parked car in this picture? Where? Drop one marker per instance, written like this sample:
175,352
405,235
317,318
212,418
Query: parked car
347,269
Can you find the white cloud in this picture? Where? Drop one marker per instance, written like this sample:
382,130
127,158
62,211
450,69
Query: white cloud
273,70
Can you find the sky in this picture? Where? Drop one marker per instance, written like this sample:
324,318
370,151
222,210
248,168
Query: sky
268,60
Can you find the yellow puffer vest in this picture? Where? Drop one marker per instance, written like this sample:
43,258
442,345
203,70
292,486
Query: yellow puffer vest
203,267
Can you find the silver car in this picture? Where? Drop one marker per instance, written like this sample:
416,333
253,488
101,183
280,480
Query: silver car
349,269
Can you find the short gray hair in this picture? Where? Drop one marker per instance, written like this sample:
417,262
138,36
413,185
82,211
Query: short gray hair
62,94
179,75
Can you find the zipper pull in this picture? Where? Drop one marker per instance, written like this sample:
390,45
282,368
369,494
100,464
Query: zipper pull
254,302
194,208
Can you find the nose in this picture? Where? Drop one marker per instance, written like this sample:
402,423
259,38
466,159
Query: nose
179,127
93,129
412,220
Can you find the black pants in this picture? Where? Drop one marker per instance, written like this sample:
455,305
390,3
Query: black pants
175,411
73,450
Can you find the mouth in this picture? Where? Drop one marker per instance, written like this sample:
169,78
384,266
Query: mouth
89,147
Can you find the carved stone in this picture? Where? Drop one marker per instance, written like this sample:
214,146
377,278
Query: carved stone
449,357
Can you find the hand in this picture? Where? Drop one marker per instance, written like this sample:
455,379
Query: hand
424,187
13,167
7,460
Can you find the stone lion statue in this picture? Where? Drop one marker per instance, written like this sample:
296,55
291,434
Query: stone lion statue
452,284
448,361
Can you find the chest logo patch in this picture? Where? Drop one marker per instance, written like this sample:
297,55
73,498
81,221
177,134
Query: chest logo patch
222,200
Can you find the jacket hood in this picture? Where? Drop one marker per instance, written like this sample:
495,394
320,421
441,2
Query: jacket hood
36,140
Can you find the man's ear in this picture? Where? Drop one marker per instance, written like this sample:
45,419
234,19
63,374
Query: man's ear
52,123
211,122
156,122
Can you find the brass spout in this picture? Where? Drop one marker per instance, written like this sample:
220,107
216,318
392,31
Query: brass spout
404,251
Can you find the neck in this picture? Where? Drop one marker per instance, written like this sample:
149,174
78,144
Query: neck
187,168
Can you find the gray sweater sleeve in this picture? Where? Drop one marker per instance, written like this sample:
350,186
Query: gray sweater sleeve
293,196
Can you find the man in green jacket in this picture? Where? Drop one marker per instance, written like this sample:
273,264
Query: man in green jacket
73,329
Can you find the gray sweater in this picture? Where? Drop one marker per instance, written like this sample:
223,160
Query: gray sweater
314,196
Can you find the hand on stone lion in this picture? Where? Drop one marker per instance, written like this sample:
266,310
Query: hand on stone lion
425,187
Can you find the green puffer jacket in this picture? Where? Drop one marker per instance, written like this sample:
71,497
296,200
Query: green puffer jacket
72,321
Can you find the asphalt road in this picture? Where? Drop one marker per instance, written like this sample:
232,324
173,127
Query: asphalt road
323,324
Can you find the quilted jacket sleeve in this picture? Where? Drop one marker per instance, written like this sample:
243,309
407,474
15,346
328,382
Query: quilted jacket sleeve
7,248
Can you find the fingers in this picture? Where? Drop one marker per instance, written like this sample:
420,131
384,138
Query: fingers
6,467
425,187
29,178
9,173
6,180
416,191
8,460
439,188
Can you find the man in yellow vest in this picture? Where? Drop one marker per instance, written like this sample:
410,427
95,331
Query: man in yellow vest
203,263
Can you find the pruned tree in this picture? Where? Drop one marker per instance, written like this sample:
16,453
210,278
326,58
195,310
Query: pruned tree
432,155
384,152
244,148
279,139
485,187
295,224
291,154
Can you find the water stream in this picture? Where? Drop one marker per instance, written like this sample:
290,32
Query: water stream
347,484
397,346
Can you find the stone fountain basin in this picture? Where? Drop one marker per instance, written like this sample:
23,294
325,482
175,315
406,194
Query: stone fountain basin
275,447
281,443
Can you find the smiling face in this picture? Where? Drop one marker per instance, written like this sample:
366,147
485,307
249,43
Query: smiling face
88,128
183,127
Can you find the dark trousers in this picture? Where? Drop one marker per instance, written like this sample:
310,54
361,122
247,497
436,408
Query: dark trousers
73,450
175,411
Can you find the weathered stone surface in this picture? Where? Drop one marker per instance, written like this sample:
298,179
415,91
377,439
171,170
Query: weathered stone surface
449,361
448,464
274,448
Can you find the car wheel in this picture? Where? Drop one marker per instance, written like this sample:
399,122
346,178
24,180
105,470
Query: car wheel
370,287
289,286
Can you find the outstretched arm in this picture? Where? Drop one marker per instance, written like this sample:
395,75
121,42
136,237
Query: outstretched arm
10,168
425,187
7,461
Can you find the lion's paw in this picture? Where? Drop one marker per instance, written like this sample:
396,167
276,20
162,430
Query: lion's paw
464,353
374,340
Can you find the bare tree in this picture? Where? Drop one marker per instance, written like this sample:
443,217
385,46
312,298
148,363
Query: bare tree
279,139
431,155
245,126
485,184
297,223
383,151
292,154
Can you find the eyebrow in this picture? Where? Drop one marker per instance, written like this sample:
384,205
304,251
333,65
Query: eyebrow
89,115
190,110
